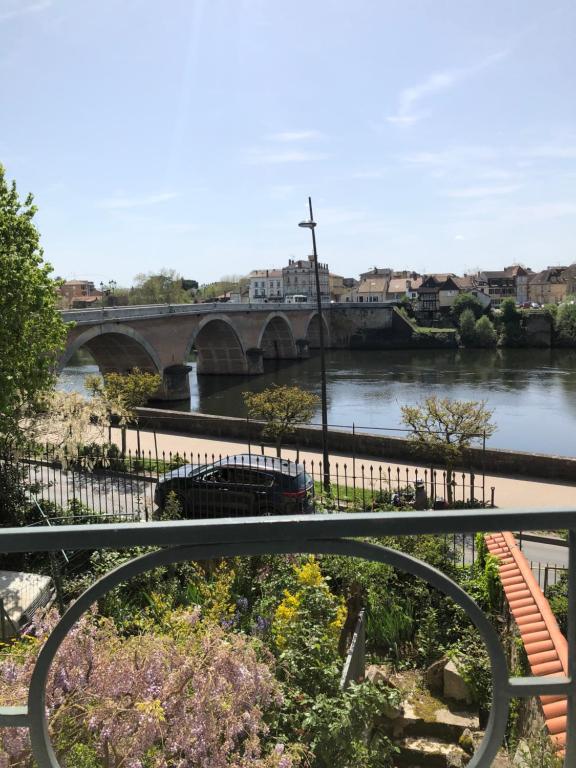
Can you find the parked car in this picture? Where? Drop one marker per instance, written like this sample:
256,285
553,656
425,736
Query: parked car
238,486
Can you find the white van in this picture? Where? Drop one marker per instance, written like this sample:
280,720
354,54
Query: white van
297,298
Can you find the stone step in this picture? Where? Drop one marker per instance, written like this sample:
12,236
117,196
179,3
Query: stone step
428,753
447,725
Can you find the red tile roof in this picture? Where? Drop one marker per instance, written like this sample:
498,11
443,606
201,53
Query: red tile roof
544,643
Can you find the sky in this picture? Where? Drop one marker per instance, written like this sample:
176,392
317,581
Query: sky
434,135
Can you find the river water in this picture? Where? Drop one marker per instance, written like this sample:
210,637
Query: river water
532,392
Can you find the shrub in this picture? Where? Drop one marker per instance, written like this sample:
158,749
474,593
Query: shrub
138,697
566,324
467,328
484,333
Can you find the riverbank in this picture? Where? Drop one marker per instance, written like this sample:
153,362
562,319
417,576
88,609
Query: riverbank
494,461
510,491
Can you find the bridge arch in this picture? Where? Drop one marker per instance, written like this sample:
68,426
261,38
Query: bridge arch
219,347
313,331
116,348
276,338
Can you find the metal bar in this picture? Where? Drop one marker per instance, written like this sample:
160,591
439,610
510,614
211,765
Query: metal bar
321,526
538,686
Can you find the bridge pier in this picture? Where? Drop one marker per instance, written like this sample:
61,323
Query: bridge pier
175,383
302,349
254,360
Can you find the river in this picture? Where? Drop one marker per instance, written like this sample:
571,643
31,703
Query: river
531,391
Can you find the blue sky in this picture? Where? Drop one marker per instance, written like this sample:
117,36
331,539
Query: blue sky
438,135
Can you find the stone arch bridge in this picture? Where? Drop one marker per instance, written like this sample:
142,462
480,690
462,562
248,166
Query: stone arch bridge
228,338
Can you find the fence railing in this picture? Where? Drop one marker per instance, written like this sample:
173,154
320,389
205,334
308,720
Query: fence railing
131,486
335,534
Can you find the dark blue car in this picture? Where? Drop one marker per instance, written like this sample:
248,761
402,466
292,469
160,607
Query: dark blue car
238,486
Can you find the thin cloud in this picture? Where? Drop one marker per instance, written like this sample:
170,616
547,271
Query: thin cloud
289,136
120,202
466,193
270,157
25,10
409,111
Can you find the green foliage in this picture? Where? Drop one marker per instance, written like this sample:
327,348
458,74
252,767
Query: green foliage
511,324
164,287
281,407
484,333
129,391
557,596
467,325
566,324
226,284
340,729
14,504
472,659
32,332
445,428
466,302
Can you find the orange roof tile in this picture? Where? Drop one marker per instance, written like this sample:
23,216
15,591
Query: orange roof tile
544,643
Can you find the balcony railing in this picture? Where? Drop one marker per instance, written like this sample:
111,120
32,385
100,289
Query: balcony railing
336,534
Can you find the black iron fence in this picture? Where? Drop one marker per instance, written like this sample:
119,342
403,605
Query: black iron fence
100,481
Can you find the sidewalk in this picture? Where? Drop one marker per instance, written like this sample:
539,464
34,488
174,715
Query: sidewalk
510,492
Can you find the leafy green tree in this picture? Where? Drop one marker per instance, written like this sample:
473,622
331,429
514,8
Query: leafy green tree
123,393
512,331
464,302
32,333
467,326
281,407
446,428
566,324
484,333
164,287
228,283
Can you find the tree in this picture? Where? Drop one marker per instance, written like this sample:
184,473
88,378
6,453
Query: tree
466,301
164,287
512,332
281,407
484,333
446,428
467,326
566,324
123,393
32,332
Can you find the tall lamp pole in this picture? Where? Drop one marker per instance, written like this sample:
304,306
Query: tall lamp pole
311,224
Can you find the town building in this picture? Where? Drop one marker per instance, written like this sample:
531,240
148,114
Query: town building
373,286
299,279
78,294
437,293
266,285
403,285
552,285
341,288
508,283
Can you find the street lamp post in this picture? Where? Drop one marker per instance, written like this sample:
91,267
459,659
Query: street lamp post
311,224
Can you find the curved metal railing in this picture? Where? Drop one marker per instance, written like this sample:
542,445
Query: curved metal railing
180,541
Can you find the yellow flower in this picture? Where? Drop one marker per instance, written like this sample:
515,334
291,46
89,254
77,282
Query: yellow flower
153,708
309,574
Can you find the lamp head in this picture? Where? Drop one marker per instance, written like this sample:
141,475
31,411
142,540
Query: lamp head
307,224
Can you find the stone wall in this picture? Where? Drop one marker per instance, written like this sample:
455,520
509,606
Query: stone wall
491,461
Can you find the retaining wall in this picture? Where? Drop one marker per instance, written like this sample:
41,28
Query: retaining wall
491,461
